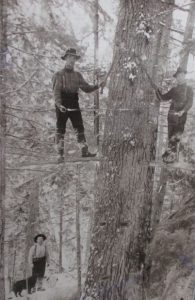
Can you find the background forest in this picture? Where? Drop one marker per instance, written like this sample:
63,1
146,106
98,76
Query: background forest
67,202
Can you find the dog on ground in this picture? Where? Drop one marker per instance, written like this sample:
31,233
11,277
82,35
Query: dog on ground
21,285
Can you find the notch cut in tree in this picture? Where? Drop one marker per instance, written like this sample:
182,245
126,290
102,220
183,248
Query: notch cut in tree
116,267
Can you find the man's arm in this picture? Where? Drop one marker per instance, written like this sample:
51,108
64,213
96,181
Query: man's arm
165,97
30,256
189,99
86,87
47,255
57,88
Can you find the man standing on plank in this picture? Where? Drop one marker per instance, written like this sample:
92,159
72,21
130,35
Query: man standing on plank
182,100
66,84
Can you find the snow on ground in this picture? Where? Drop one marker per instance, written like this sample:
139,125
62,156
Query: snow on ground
58,287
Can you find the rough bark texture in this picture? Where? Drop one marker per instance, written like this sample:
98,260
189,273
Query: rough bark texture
96,94
3,49
158,74
61,234
188,36
121,229
164,174
78,234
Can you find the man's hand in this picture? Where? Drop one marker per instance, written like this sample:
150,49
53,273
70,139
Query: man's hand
102,84
180,113
62,108
158,94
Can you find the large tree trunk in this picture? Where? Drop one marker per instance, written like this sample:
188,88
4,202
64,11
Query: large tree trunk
3,49
121,228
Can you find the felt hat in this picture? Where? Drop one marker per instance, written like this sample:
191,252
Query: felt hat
39,235
179,70
71,51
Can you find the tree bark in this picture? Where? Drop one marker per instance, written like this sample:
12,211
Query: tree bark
3,49
161,173
121,230
32,225
96,79
188,36
61,235
78,234
161,189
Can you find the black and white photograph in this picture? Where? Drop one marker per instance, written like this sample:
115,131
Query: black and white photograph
97,149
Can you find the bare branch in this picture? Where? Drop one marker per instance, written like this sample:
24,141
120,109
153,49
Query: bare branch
176,6
20,87
172,29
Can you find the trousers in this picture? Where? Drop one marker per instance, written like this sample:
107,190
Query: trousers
176,127
76,120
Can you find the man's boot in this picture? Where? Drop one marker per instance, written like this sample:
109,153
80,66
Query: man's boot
85,152
60,147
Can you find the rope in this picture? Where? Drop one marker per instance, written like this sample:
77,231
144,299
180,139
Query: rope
99,159
37,109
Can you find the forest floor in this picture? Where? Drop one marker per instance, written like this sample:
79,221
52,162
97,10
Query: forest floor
57,287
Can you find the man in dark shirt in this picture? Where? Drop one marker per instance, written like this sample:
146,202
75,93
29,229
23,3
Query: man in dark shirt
182,100
66,84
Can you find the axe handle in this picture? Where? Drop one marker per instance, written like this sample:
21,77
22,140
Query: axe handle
107,75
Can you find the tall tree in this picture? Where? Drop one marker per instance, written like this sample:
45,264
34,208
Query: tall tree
78,233
184,57
121,230
3,51
161,59
96,94
33,217
188,36
61,235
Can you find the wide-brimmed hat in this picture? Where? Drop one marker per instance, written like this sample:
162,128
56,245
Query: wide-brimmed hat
71,51
39,235
179,70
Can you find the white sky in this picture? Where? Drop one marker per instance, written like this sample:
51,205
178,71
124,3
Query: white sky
105,49
82,26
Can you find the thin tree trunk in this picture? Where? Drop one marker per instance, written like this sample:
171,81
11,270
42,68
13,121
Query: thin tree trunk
32,226
78,234
123,203
3,49
188,36
161,189
14,262
161,173
96,79
61,235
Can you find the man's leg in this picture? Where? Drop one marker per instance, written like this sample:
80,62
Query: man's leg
60,131
175,130
77,123
170,154
39,283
